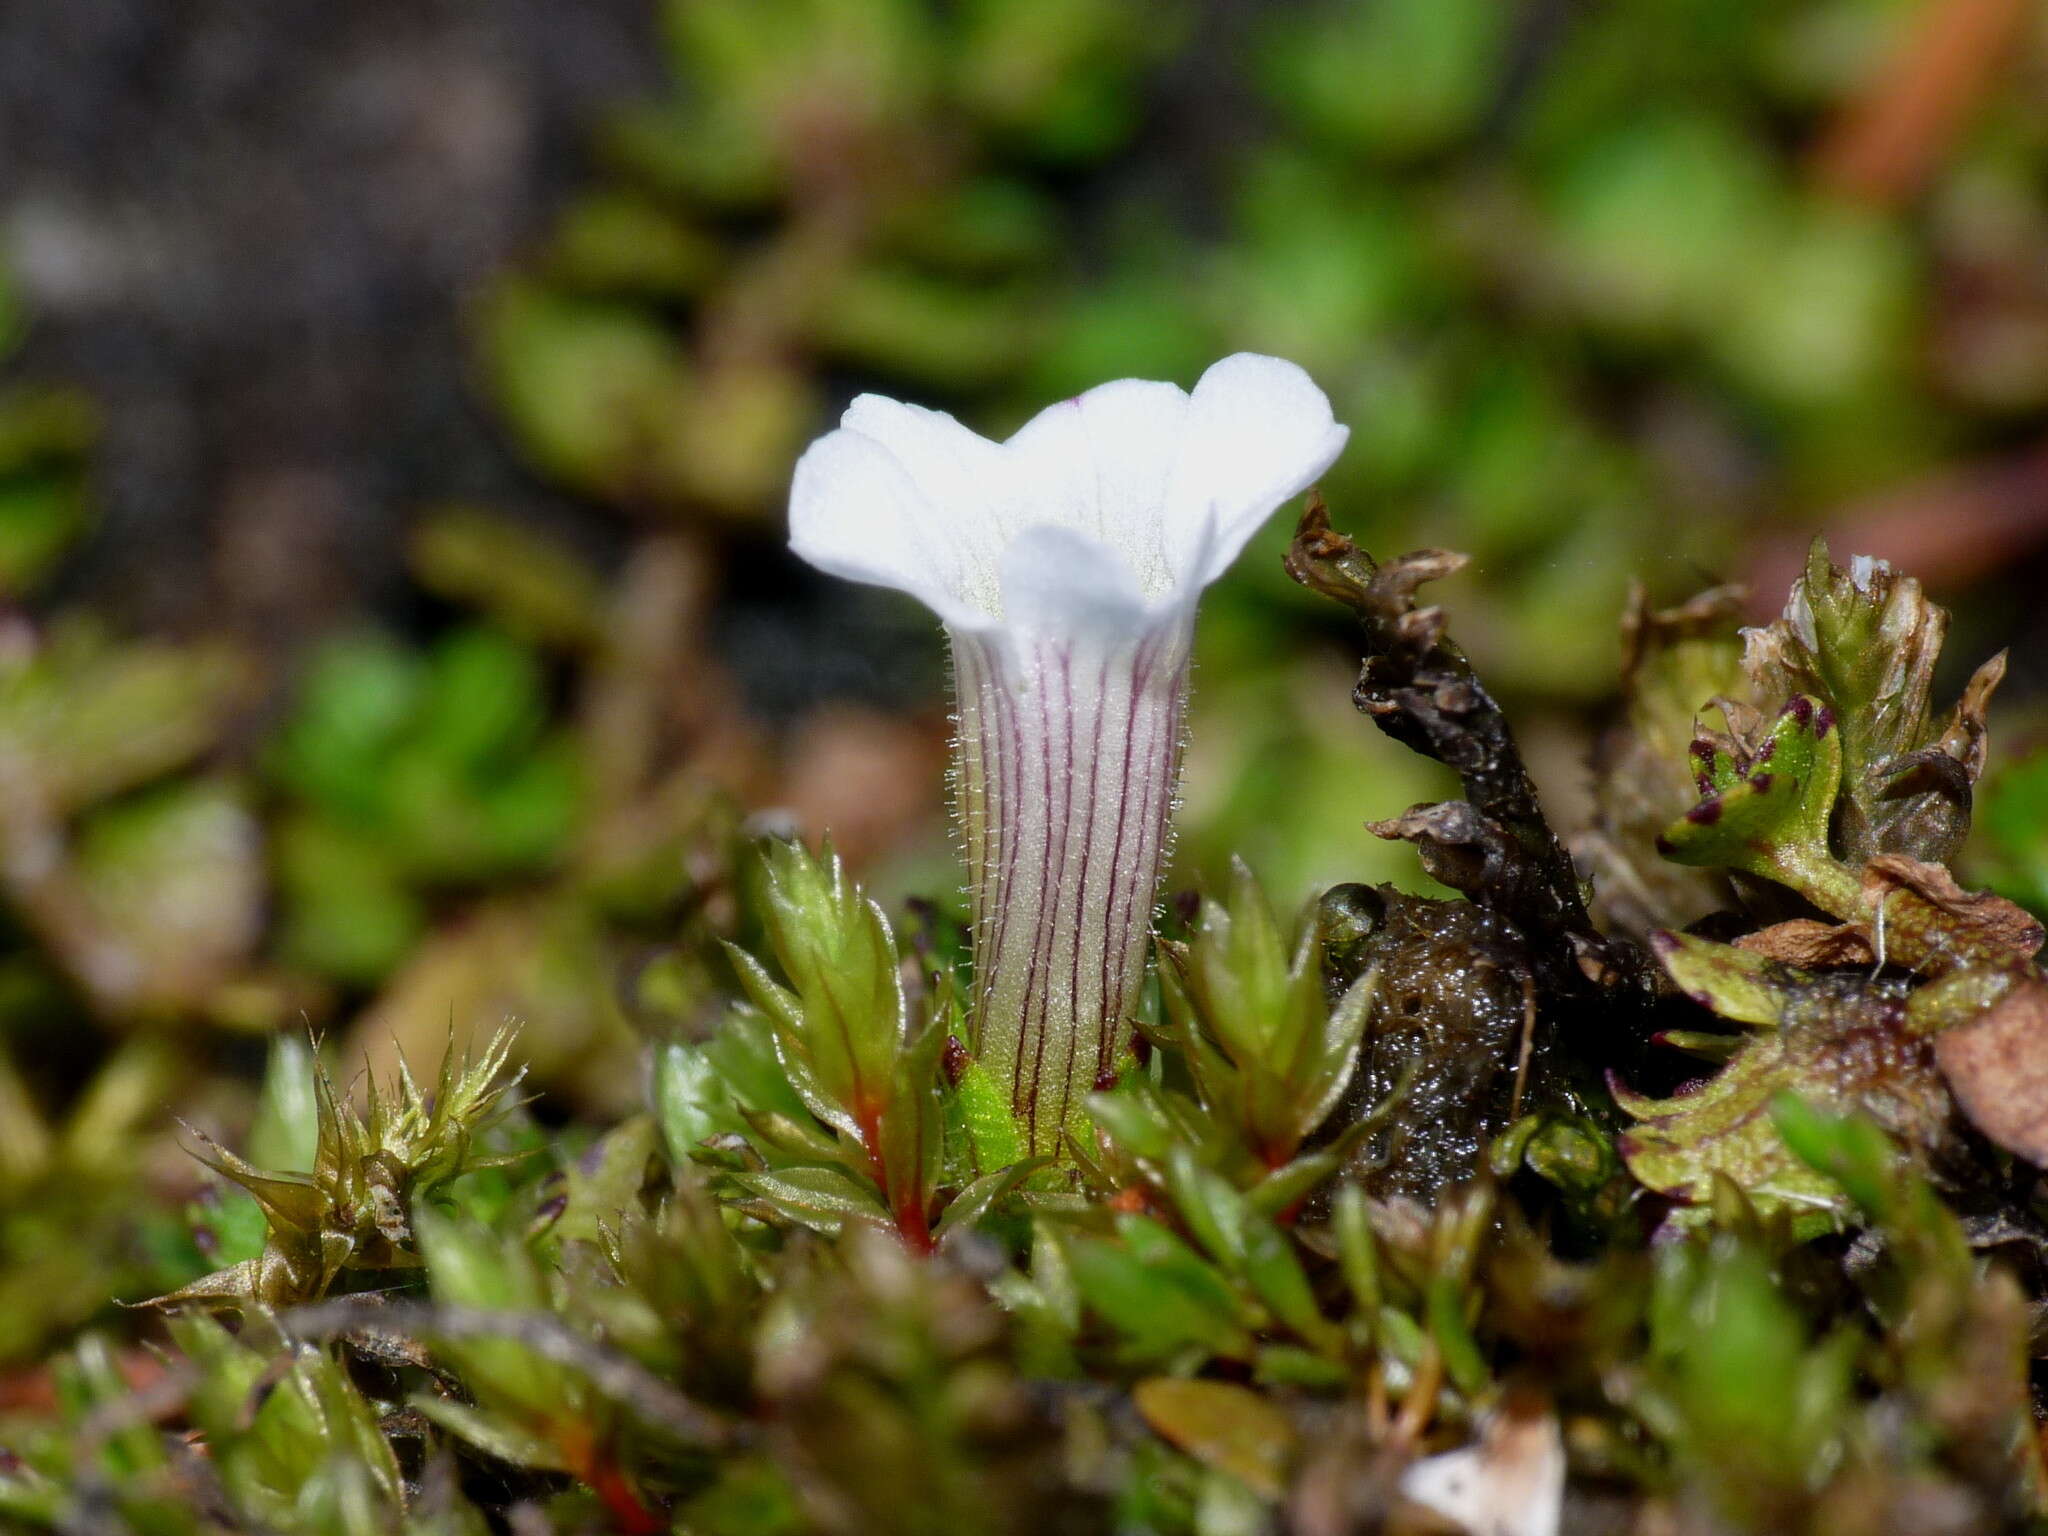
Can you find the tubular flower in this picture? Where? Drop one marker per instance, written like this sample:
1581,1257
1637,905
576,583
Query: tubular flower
1066,564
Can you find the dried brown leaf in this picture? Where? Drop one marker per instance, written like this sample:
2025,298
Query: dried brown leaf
1984,919
1997,1067
1812,944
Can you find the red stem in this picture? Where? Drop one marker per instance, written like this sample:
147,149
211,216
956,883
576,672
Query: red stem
631,1516
605,1478
906,1206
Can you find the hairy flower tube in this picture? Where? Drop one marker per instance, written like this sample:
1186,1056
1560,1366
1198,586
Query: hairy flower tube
1065,564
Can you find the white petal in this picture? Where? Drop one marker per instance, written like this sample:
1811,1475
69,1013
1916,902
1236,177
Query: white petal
1510,1484
958,470
1173,484
856,512
1059,582
1102,464
1259,433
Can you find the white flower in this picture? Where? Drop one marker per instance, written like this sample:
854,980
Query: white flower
1066,564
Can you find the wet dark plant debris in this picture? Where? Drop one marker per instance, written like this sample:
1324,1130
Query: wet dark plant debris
1677,1180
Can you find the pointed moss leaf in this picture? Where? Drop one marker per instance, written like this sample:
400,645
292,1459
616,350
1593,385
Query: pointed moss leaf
780,1005
1463,1360
742,1054
797,1139
1213,1209
1289,1365
373,1170
823,1199
493,1434
1274,1269
1288,1185
1338,1047
290,1199
691,1101
910,1128
1246,1005
1357,1249
1132,1120
841,1023
606,1181
1157,1293
1052,1274
1240,967
984,1196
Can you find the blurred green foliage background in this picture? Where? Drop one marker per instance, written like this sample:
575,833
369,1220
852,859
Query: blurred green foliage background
1607,292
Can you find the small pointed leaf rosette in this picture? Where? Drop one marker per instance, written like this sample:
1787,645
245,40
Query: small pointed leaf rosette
371,1168
1066,564
1271,1054
846,1038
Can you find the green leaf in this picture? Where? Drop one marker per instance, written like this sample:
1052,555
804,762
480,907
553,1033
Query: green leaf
605,1183
172,884
1735,983
1131,1119
997,1135
980,1199
1274,1270
286,1133
1724,1127
589,388
844,1019
691,1101
1865,641
1463,1361
1770,816
1392,78
1268,1052
1222,1425
1157,1293
617,242
823,1199
1848,1149
493,1434
86,719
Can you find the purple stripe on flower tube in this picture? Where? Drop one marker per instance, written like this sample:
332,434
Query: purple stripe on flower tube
1067,757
